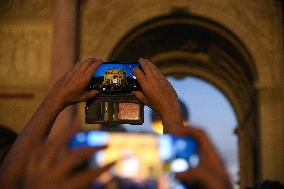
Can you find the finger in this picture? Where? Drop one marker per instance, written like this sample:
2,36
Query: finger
86,63
140,76
204,178
192,176
146,67
74,157
90,94
58,142
75,68
91,70
93,67
86,178
155,70
32,163
140,96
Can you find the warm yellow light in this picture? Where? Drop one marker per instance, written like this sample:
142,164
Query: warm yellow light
157,126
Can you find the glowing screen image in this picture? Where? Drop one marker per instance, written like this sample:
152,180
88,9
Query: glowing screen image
142,158
115,77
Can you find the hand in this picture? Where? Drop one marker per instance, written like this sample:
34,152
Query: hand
51,164
158,94
71,87
210,172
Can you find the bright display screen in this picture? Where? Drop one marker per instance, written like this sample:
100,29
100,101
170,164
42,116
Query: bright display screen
115,77
144,160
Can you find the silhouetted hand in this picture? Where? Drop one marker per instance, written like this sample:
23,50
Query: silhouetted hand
37,159
51,164
210,172
71,87
158,94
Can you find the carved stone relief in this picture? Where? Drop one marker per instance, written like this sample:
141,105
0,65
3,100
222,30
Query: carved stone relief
24,8
24,55
5,5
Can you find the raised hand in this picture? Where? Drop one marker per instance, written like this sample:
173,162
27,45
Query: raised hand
71,87
51,164
210,172
158,94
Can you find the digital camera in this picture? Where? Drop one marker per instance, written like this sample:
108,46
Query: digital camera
114,104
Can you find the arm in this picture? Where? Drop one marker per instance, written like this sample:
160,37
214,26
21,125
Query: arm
69,89
158,94
51,164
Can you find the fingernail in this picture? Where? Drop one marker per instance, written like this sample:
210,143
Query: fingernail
93,59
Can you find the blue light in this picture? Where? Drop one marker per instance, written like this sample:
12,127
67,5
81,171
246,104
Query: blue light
97,138
165,147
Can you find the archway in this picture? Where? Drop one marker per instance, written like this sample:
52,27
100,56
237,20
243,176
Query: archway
182,45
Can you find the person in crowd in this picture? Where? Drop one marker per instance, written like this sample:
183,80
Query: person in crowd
7,138
41,160
269,184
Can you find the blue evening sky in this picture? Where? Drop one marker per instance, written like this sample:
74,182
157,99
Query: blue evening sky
210,110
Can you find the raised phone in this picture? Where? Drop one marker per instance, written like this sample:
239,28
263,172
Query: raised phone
115,104
144,160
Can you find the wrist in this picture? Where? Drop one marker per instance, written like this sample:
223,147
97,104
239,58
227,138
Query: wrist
172,120
55,101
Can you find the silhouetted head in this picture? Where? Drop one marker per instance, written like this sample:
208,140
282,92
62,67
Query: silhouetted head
7,139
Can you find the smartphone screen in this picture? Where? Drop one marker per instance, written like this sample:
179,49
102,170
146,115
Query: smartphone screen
144,160
115,77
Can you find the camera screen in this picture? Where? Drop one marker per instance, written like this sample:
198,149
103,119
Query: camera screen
111,77
144,160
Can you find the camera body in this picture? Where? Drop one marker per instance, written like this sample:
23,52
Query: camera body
114,104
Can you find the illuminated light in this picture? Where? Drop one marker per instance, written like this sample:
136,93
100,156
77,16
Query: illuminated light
165,147
97,138
179,186
180,145
104,89
193,160
81,137
157,126
130,165
179,165
98,159
134,77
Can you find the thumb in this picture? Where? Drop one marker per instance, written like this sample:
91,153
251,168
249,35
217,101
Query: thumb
191,176
91,94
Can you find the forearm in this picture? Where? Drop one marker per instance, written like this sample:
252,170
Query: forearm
35,130
172,119
41,123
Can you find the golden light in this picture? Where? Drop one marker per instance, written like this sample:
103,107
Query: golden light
157,126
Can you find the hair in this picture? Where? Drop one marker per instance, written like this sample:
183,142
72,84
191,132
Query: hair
7,139
269,184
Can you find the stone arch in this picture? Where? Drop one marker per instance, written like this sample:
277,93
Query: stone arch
182,44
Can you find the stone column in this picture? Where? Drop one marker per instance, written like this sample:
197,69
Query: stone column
272,133
246,154
64,49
